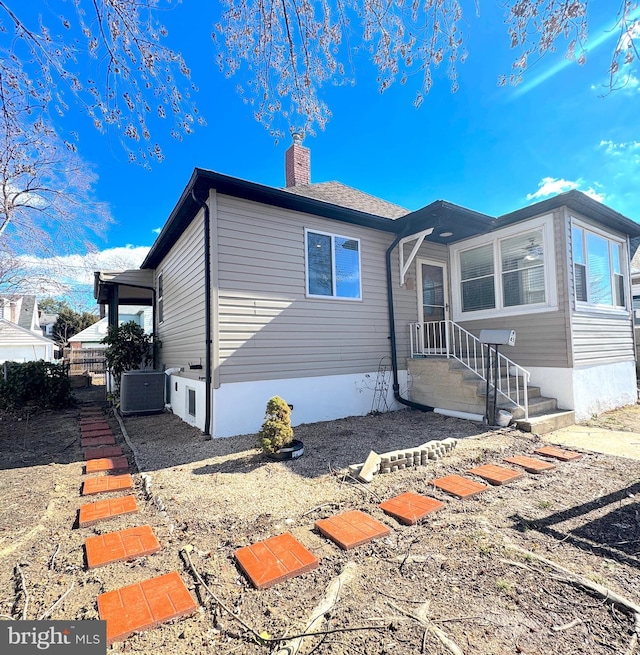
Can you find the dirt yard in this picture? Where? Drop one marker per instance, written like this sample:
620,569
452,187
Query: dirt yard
458,580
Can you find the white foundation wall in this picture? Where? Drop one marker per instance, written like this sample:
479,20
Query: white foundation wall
178,400
600,388
239,407
590,389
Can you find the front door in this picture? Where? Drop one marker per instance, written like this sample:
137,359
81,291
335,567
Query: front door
433,308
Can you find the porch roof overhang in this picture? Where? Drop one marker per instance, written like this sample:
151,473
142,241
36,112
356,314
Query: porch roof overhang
450,222
134,287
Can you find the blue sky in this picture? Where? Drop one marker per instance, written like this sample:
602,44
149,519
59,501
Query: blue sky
492,149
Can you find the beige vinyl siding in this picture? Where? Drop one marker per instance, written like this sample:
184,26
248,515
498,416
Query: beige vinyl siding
542,339
601,339
268,328
597,337
182,331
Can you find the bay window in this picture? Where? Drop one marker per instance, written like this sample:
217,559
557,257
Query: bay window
506,273
597,268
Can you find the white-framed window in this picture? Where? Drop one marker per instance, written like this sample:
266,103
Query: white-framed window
598,268
333,267
508,272
160,298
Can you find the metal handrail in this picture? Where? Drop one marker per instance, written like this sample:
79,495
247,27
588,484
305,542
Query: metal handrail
447,338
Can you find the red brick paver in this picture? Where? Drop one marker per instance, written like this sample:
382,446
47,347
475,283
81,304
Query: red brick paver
530,464
122,545
106,464
90,412
91,420
274,560
496,474
558,453
106,509
94,425
459,486
409,508
352,529
144,605
104,451
92,442
98,432
106,483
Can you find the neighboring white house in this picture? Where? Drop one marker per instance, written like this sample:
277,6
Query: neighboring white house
20,345
21,337
301,292
92,336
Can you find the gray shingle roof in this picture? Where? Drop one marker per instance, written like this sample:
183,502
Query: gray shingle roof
26,308
342,195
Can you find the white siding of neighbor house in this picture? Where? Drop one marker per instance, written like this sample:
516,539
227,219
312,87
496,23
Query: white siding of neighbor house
542,338
268,328
182,331
598,337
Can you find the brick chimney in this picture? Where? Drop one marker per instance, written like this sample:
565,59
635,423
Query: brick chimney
297,162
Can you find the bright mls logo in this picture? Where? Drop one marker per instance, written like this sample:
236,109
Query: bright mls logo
53,637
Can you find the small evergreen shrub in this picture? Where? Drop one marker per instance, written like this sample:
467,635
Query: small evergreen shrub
38,384
276,431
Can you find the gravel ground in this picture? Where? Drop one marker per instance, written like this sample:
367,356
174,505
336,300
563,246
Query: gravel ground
460,571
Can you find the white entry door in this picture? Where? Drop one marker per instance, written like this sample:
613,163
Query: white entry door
433,305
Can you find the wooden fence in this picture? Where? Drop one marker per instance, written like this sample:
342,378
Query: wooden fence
83,360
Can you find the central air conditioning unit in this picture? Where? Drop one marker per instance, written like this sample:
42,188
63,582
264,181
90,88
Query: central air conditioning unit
142,392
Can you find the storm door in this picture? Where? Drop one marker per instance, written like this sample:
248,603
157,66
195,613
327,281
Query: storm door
433,306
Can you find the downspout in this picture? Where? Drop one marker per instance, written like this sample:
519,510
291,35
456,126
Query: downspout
207,316
392,336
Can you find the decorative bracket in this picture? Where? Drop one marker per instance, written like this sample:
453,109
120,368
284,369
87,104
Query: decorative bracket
419,238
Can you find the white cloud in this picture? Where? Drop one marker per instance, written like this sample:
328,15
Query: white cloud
74,270
595,195
551,186
628,151
157,230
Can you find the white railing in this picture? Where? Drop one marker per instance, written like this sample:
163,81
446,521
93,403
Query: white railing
448,339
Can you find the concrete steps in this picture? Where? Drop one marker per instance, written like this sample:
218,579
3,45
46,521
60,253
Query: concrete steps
448,384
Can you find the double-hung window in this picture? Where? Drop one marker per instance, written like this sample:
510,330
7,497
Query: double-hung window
505,273
597,269
333,266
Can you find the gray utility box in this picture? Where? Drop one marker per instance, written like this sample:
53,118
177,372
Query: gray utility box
142,392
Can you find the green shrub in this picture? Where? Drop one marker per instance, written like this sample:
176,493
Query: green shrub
129,348
276,431
38,384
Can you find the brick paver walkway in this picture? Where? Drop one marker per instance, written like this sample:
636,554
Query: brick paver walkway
558,453
106,464
106,509
151,602
459,486
144,605
106,483
409,508
122,545
352,529
496,475
530,464
102,452
268,562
